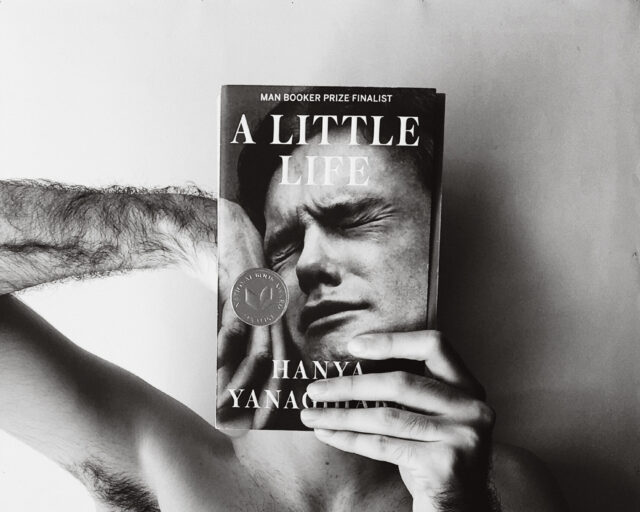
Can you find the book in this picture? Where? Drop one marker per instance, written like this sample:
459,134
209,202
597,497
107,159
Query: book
329,229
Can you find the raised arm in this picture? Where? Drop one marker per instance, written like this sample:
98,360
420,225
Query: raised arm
93,418
50,231
109,428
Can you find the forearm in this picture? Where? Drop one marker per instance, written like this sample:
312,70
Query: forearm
50,231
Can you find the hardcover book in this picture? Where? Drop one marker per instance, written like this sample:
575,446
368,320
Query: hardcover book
329,226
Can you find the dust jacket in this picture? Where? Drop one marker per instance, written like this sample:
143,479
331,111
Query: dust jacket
328,228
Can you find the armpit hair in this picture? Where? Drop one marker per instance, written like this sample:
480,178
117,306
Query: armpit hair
117,490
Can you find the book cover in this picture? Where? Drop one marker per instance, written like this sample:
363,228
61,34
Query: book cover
329,225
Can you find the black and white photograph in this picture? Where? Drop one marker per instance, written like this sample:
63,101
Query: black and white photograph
361,165
319,256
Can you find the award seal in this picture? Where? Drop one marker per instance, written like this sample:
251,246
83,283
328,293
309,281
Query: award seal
259,297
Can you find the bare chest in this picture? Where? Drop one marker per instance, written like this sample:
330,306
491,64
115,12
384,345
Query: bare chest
232,489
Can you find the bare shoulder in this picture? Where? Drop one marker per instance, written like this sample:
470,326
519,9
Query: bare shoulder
523,483
129,443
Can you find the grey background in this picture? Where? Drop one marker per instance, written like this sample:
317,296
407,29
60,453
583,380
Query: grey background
539,269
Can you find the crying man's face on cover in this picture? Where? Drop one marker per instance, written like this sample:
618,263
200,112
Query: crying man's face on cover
347,228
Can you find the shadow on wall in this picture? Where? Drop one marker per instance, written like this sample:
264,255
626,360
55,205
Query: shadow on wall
589,480
498,305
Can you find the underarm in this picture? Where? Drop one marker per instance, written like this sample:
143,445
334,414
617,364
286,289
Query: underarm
96,420
58,398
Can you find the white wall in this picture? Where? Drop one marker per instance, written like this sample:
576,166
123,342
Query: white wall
540,273
96,94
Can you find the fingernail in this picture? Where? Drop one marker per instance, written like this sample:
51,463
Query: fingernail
357,347
309,416
324,433
317,389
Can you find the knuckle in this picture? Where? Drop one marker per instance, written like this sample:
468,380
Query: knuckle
471,438
233,330
485,415
382,443
388,415
438,341
476,411
394,450
429,385
395,383
386,343
349,383
415,425
262,362
403,380
263,357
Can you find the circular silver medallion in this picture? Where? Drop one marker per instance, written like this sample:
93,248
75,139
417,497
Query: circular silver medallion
259,297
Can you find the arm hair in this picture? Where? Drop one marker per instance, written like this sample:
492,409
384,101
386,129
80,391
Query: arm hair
50,231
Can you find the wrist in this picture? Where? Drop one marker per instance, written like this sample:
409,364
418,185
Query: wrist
188,231
193,219
183,226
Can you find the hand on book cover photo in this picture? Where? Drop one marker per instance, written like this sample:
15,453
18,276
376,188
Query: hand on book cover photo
245,352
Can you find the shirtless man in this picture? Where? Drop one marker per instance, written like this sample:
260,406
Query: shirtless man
137,449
